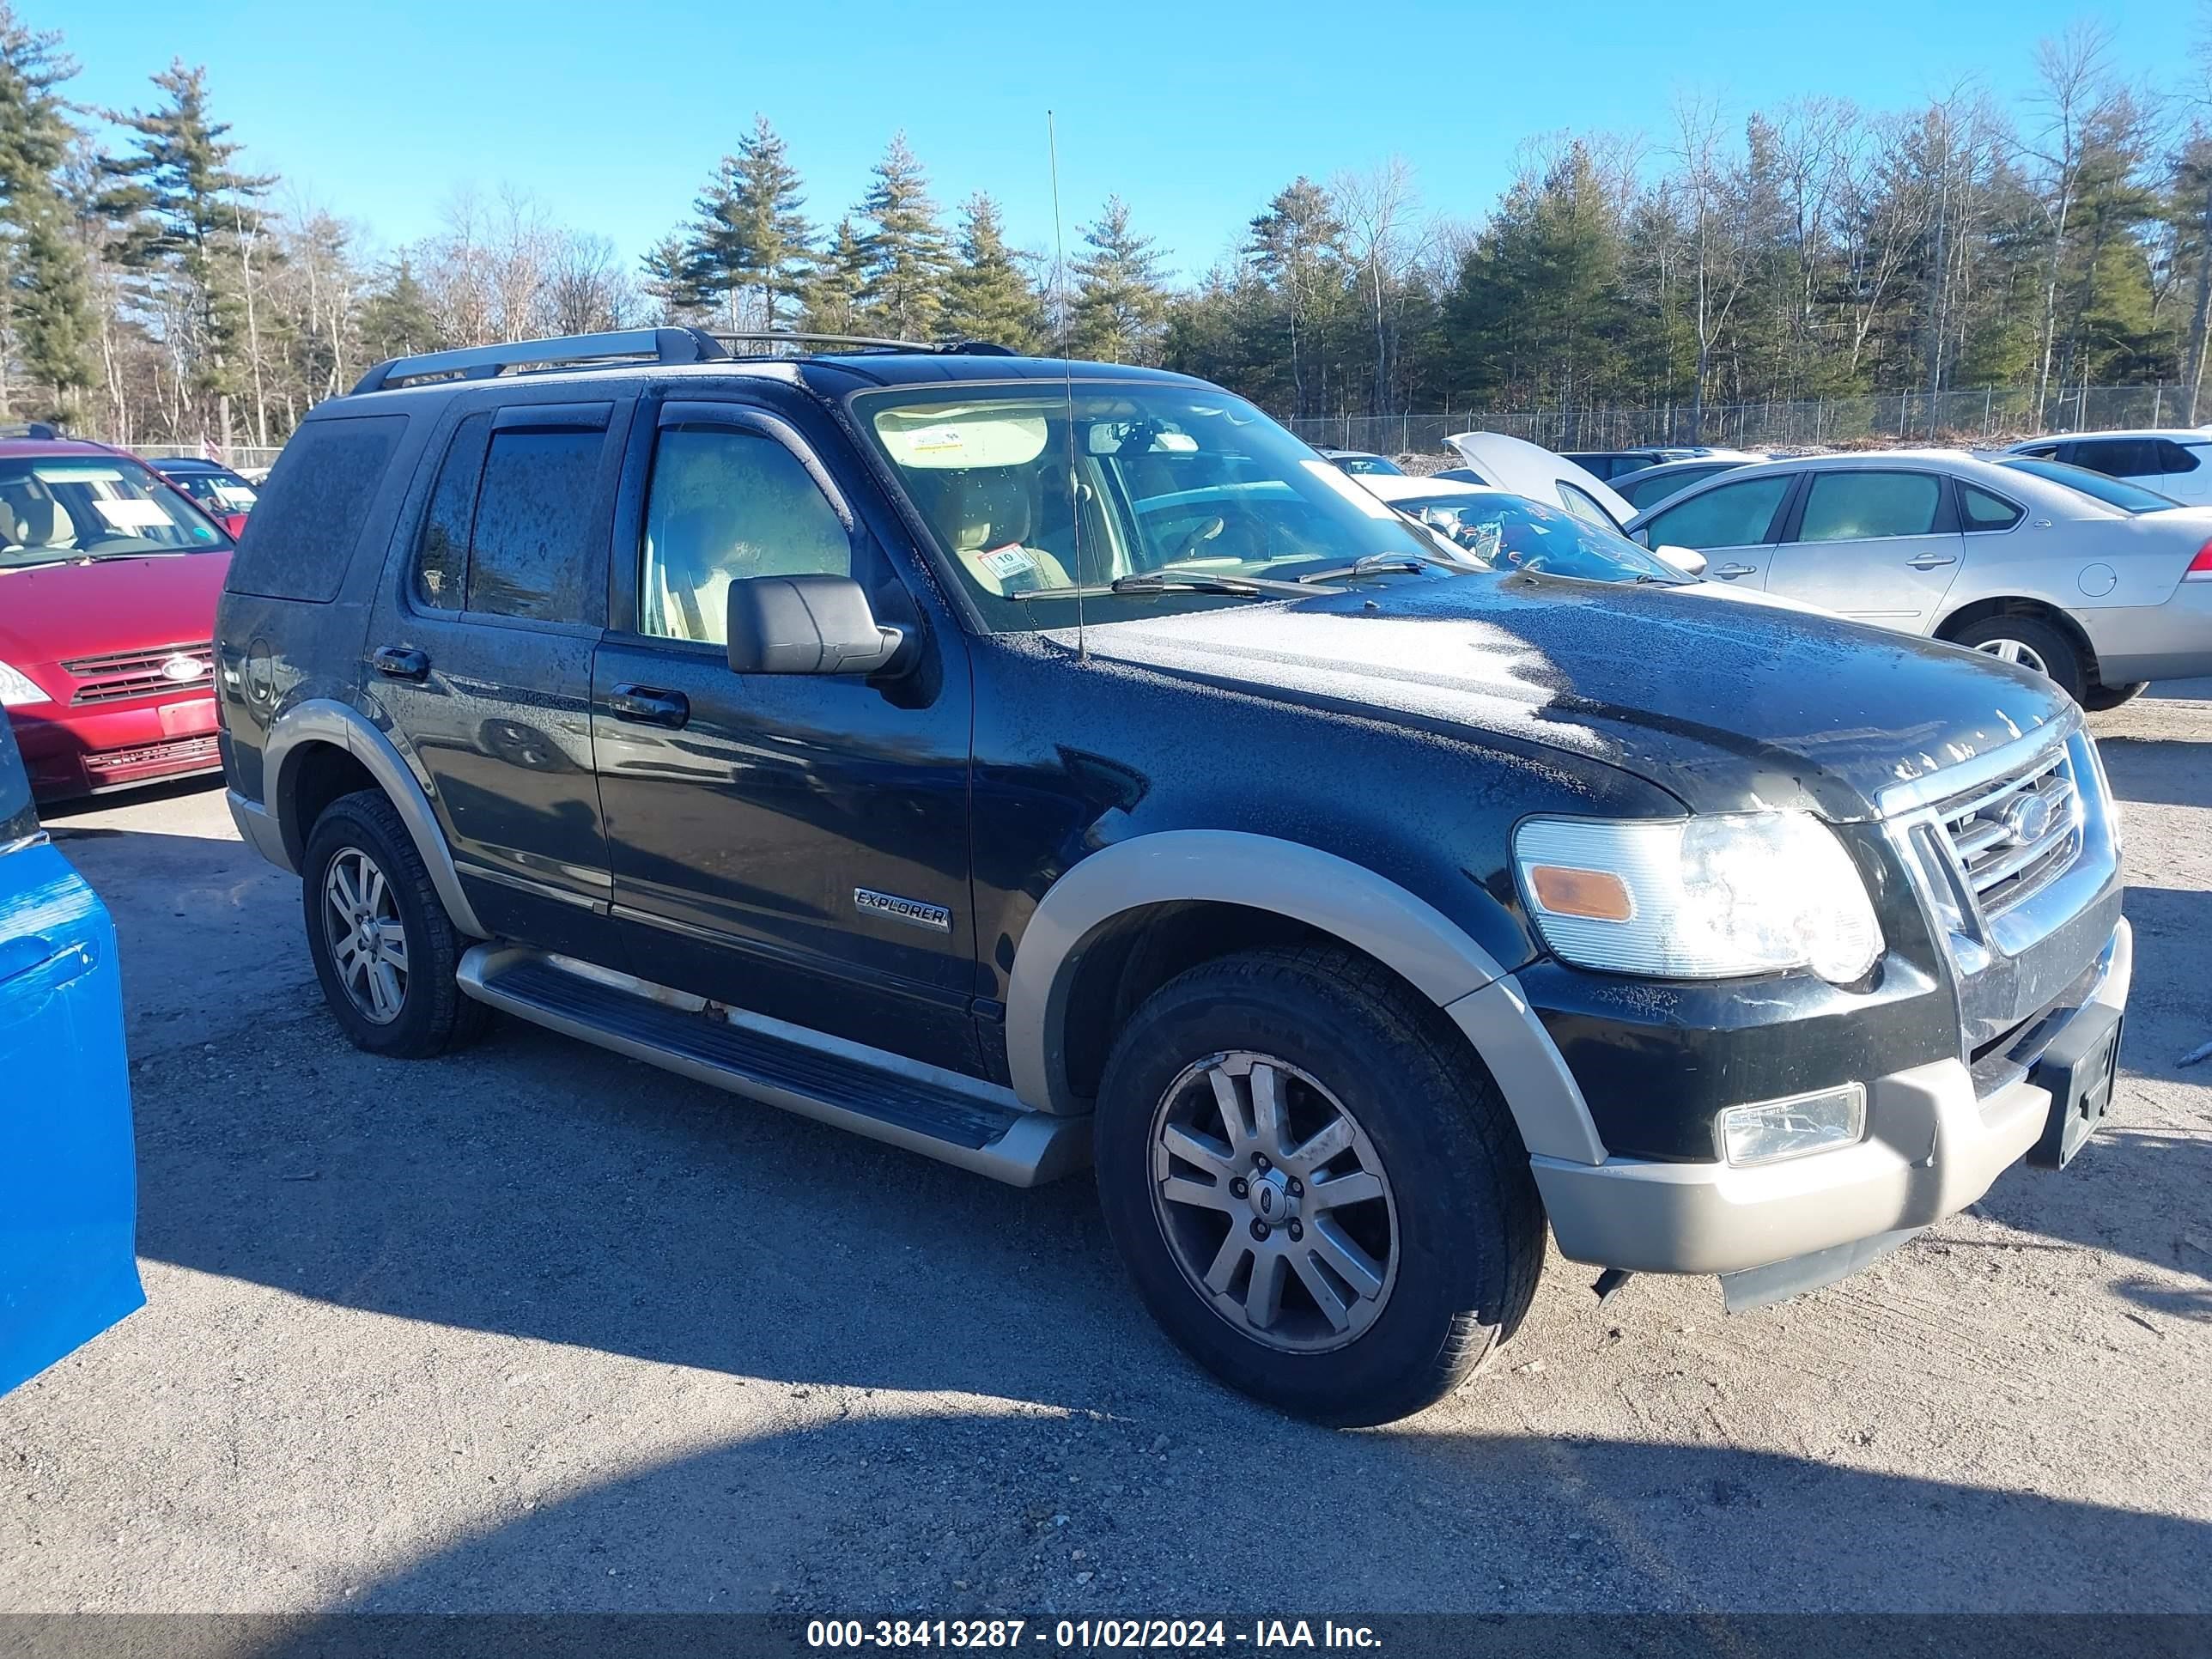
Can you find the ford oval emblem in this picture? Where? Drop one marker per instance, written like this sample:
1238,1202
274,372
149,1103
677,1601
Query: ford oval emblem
183,667
2027,820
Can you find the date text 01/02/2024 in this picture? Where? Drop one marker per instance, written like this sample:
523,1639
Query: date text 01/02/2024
1086,1634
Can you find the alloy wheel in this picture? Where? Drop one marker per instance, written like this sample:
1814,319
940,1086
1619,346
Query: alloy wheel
2016,651
368,939
1274,1203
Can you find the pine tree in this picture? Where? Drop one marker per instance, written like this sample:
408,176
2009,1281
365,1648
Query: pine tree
839,272
396,319
903,292
751,233
1120,306
50,315
186,209
1297,244
987,297
670,279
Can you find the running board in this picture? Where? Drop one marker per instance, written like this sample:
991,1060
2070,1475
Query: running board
956,1119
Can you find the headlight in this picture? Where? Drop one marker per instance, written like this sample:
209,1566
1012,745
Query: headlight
16,689
1698,898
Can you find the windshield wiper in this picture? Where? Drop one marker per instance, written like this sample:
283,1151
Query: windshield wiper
1204,581
1374,564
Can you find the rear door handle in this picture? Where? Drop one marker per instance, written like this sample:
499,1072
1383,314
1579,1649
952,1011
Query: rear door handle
1732,571
647,705
401,662
1932,562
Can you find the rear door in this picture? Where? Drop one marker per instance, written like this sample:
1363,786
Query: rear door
1877,545
1734,524
795,845
481,653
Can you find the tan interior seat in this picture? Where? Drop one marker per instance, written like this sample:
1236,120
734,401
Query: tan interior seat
986,513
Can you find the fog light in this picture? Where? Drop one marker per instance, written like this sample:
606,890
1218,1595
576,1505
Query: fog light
1775,1129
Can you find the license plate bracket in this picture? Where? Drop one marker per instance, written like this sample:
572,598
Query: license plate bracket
2079,1069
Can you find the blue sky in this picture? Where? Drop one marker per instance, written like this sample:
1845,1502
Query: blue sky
1195,112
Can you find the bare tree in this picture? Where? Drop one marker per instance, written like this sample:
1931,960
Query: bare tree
1714,202
1377,207
587,286
2074,85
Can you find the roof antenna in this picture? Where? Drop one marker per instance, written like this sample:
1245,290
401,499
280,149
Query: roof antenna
1067,377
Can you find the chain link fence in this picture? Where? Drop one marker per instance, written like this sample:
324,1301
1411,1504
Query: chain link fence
1991,414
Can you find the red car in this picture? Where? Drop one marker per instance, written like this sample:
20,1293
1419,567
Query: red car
108,583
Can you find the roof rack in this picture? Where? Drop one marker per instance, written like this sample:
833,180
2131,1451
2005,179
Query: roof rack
749,343
628,345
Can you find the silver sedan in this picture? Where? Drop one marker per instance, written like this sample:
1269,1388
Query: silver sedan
2101,585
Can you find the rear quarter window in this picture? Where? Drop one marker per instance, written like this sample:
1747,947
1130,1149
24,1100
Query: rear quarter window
304,528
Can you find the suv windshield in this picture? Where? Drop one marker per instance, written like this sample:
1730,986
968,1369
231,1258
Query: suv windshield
1511,532
1036,496
2129,498
76,507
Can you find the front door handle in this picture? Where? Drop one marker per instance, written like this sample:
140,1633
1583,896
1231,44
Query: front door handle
1932,562
401,662
647,705
1732,571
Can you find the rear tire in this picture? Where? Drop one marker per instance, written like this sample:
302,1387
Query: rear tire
384,948
2102,697
2033,643
1375,1302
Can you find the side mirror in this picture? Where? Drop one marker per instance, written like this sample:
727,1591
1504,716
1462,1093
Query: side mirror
1683,558
807,625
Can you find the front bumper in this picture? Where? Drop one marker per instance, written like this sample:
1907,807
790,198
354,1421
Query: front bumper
1933,1146
71,751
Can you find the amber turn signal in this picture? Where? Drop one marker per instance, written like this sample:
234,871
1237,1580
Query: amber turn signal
1597,894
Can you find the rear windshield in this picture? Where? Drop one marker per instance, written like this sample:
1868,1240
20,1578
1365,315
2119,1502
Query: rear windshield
76,508
2129,498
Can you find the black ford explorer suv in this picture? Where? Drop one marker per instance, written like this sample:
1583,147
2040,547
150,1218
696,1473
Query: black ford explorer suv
1031,763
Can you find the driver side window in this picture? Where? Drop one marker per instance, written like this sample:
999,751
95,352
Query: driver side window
1728,515
726,504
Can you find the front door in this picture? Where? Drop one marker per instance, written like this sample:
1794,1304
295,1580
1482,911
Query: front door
1733,525
795,845
1875,545
481,654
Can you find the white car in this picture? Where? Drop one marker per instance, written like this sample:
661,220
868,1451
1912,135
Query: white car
1499,530
1530,469
2097,584
2176,463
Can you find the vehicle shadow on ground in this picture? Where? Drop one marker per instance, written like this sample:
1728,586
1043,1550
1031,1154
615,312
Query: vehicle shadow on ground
1005,1512
2159,771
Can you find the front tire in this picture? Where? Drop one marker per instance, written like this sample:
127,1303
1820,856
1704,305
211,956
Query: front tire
1317,1189
384,948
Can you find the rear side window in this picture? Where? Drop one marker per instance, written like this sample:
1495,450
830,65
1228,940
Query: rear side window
1851,506
2178,458
2120,458
530,552
1728,515
1983,511
305,525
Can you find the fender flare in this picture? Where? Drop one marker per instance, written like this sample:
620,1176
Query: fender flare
324,720
1340,898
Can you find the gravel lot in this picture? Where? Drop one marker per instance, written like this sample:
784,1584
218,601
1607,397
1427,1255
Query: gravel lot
535,1328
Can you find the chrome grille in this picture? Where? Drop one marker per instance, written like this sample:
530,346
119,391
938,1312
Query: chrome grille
146,673
2014,836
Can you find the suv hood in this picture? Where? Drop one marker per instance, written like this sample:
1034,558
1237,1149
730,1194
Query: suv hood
66,611
1728,707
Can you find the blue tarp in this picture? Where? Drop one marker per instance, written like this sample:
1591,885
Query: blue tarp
68,1191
